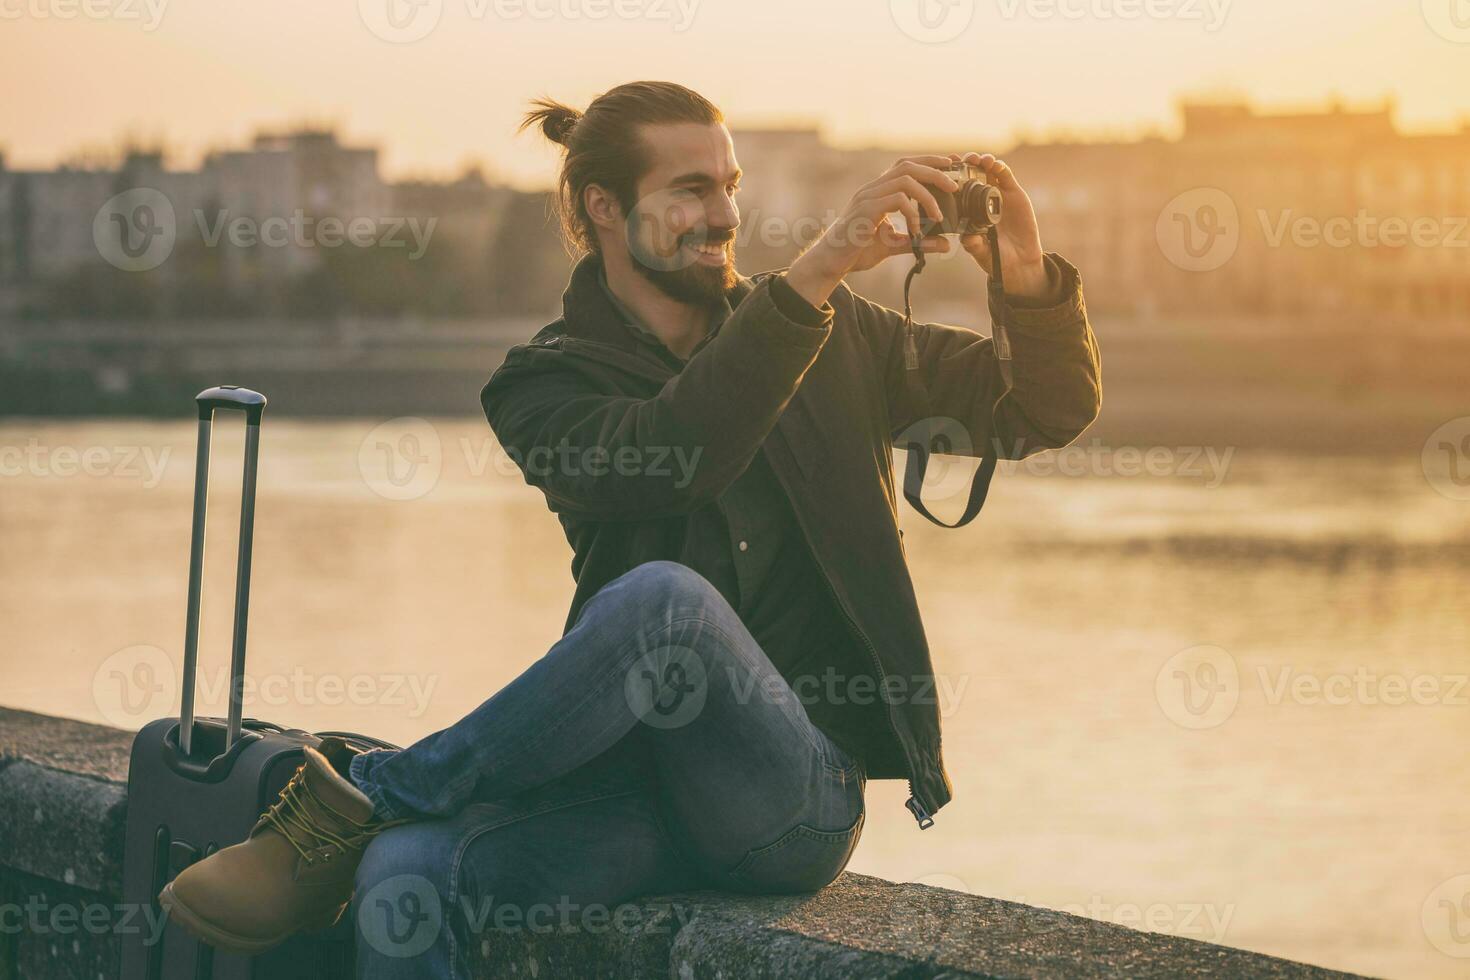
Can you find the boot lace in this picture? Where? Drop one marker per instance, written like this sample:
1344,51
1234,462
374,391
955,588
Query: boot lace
296,816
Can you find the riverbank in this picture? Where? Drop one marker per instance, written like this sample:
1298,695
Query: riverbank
1312,385
63,802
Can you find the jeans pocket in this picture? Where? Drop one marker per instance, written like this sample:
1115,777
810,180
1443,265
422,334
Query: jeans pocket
801,860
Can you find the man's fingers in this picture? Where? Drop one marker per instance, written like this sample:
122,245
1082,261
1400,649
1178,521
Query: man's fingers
911,187
926,159
923,173
901,203
996,168
926,174
1001,173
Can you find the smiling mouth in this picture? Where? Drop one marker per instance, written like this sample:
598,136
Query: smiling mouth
708,251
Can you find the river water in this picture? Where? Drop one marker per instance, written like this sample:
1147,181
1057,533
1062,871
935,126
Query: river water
1217,695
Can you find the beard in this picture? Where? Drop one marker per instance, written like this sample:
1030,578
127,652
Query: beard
695,283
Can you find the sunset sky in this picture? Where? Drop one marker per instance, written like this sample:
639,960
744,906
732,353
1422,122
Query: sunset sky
869,71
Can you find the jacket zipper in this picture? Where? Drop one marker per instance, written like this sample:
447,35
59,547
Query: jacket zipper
570,345
921,814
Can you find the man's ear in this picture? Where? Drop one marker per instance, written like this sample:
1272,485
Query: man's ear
602,207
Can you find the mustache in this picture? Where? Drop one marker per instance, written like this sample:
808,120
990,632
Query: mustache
710,236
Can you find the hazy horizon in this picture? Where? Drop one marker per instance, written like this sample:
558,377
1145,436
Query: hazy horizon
452,98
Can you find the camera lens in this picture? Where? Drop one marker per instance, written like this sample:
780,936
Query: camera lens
979,206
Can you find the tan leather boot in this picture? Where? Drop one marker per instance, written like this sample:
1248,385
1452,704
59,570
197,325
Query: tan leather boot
293,873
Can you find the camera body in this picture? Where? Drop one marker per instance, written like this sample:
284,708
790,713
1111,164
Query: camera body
971,209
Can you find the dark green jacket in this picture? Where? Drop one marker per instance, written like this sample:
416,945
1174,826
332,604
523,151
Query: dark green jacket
826,402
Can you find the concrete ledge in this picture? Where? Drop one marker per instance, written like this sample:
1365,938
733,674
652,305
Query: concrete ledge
63,801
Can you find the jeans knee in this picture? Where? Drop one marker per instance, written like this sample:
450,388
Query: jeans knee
660,584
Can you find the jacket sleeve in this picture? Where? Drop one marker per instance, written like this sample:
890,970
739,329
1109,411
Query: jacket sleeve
1055,366
617,457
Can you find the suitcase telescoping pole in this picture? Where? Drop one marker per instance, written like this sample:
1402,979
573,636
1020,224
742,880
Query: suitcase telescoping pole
252,403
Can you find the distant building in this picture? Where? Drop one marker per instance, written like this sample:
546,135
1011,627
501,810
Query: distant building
1334,210
1244,213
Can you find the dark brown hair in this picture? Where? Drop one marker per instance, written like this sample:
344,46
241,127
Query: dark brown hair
603,146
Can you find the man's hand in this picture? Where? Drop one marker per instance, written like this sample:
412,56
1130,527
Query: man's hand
1020,240
863,235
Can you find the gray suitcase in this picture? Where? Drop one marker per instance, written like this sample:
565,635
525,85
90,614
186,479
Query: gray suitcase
198,784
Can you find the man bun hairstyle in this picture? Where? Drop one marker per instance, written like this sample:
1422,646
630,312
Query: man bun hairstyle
556,120
603,145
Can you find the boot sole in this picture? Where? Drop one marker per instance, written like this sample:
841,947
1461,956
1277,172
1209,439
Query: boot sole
205,931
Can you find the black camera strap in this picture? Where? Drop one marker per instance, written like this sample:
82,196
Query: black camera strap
919,450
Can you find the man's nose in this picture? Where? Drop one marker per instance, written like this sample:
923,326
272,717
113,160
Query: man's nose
725,216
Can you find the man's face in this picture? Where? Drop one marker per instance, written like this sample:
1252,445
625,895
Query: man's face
681,230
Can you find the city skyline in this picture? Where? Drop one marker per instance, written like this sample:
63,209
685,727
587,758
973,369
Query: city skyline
453,97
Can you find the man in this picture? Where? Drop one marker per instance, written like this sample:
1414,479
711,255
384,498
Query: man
744,648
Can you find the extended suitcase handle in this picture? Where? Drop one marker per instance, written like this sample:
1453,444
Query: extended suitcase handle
252,403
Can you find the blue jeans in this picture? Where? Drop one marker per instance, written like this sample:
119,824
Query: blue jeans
653,749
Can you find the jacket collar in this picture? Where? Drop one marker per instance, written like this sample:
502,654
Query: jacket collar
590,313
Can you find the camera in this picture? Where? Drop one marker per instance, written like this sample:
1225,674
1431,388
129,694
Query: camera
970,210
